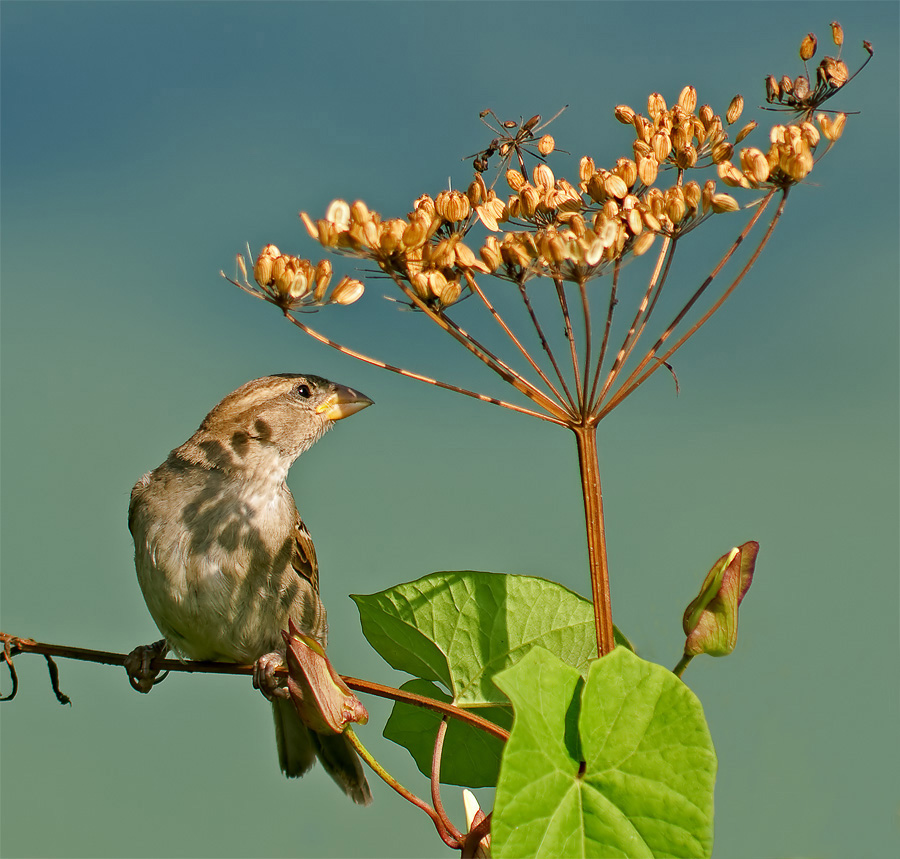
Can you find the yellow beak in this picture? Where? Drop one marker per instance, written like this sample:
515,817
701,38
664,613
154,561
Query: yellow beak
342,403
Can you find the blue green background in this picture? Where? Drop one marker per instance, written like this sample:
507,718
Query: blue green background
144,143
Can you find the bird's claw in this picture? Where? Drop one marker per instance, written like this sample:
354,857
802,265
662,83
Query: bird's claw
266,680
137,664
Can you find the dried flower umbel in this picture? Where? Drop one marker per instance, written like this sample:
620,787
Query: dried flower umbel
561,236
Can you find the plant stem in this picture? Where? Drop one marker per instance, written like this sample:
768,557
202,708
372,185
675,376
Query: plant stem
586,437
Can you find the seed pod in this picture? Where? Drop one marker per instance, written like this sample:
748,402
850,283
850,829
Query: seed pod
359,212
338,213
323,278
546,145
262,270
642,244
686,158
808,47
627,169
450,293
787,85
464,256
675,205
490,253
656,105
722,152
529,200
810,134
426,204
615,186
624,114
515,180
801,87
586,168
735,109
705,115
692,194
724,203
837,33
755,165
648,169
543,177
635,222
688,99
773,91
662,146
477,191
745,131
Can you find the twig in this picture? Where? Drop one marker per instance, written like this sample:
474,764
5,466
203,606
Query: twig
14,644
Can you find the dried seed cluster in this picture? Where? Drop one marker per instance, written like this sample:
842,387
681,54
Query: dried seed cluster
558,229
831,74
294,283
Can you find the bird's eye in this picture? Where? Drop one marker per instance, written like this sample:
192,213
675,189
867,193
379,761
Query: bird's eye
303,391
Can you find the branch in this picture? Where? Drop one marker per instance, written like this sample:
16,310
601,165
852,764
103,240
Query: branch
14,644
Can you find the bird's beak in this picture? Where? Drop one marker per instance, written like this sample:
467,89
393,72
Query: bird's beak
343,403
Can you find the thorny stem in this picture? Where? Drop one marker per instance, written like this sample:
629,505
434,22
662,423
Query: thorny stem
16,644
639,375
546,345
436,780
480,293
450,839
586,437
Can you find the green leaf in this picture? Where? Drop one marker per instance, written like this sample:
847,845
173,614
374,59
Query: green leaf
619,765
461,628
471,757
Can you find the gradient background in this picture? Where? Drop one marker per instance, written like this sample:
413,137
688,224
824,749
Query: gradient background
144,143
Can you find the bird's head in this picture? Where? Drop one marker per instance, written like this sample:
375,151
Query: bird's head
275,417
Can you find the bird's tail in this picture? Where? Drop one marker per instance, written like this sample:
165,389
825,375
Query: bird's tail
298,748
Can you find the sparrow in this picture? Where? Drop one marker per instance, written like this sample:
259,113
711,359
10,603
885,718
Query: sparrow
224,559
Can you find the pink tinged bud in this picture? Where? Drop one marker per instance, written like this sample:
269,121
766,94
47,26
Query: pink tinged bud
711,620
323,701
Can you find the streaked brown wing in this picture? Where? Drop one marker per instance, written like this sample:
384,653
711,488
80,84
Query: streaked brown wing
303,557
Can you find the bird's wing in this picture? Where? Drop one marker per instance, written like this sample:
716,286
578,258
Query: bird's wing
303,556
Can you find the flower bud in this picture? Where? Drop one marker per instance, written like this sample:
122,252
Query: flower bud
808,47
711,620
735,109
323,701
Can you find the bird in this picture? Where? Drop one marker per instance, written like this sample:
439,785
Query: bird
224,560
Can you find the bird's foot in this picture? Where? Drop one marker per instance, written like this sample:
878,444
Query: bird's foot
266,680
137,664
